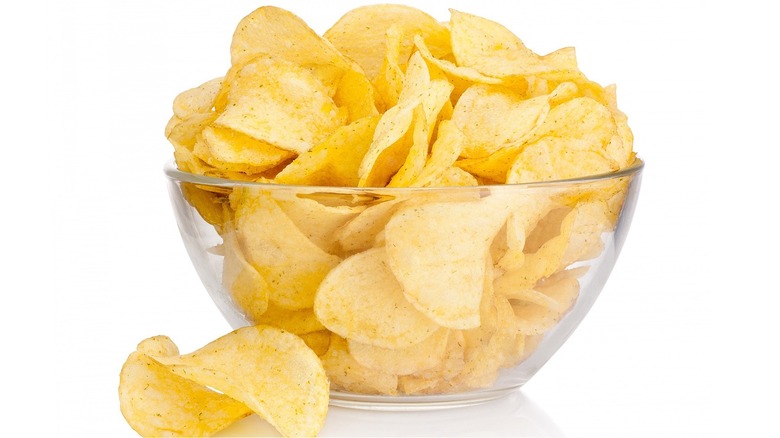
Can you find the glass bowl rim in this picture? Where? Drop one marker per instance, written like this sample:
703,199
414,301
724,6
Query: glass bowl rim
173,173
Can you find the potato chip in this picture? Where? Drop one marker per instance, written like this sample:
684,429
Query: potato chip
317,221
318,341
197,100
185,134
553,158
156,402
269,370
292,265
361,233
389,80
271,31
585,242
282,104
418,152
529,210
299,322
232,150
361,34
345,373
389,147
335,161
493,50
402,361
544,250
383,317
532,318
436,379
494,118
455,177
209,205
437,251
246,286
460,77
444,151
392,142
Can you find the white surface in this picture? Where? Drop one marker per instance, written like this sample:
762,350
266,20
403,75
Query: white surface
679,344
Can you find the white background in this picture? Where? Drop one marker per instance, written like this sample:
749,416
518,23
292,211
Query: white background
681,342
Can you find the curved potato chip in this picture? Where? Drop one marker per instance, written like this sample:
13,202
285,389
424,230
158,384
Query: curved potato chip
360,233
347,374
280,103
361,34
210,206
553,158
299,322
544,249
493,50
535,319
335,161
269,370
494,118
246,286
318,341
418,152
460,77
269,31
444,151
402,361
437,251
389,81
392,141
232,150
383,317
319,222
156,402
291,264
197,100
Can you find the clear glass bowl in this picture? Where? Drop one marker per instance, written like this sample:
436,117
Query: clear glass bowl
414,298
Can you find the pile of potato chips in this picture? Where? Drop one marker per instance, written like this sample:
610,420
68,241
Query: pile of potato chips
406,291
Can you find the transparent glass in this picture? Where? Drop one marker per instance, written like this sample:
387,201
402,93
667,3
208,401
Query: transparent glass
414,298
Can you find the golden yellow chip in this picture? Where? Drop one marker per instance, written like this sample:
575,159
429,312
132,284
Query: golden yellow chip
156,402
282,104
318,341
437,250
300,322
234,151
246,286
402,361
493,118
290,263
335,161
269,370
532,318
444,151
345,373
418,152
317,221
493,50
383,317
361,34
361,233
392,140
197,100
544,249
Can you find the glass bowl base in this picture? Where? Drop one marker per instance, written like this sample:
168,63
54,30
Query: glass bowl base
417,402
